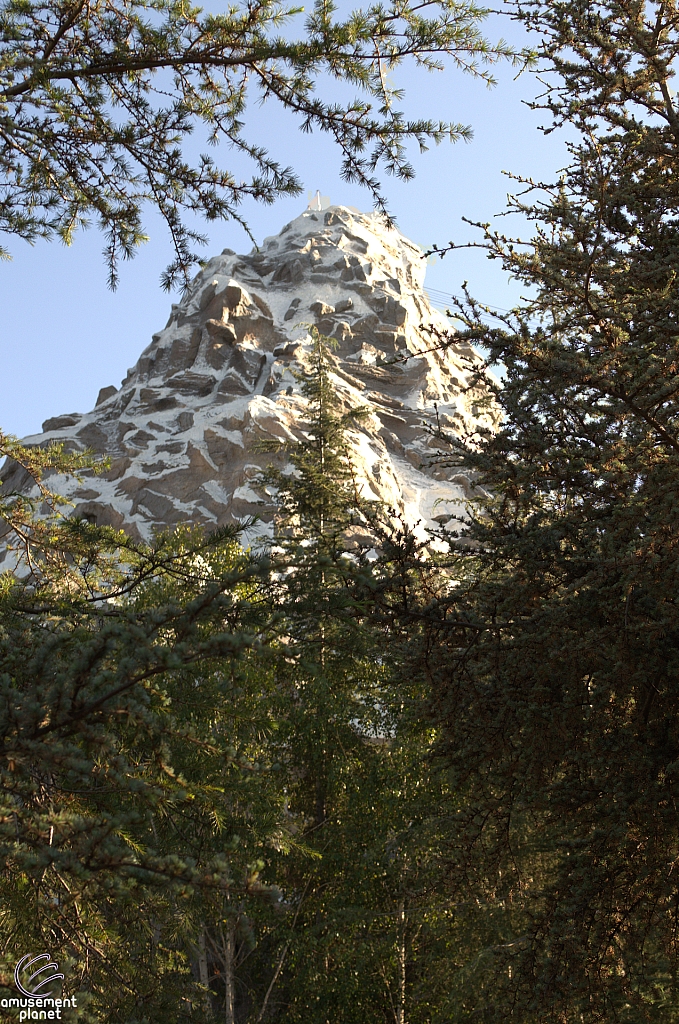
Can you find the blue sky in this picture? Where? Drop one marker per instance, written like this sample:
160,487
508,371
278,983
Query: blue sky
64,335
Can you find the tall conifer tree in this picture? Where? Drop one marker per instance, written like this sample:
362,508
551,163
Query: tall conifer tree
369,936
554,665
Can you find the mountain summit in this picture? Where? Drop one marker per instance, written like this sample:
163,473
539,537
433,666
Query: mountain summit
184,431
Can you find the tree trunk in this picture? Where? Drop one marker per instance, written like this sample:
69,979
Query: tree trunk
228,942
401,1001
203,971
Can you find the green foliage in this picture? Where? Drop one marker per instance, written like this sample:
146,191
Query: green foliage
215,804
97,101
319,497
127,770
22,531
553,664
367,911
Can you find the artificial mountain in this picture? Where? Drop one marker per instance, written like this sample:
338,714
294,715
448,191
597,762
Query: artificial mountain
184,432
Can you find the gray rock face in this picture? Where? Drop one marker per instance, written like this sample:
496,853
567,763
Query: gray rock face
182,432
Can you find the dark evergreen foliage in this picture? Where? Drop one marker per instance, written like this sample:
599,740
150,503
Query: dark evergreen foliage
554,664
215,804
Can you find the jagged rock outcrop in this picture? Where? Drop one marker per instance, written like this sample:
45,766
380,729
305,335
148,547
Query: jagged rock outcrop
182,431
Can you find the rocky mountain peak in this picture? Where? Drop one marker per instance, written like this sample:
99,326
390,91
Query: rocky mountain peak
182,431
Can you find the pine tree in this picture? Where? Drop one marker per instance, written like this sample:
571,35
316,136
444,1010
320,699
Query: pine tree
99,99
131,724
553,663
367,923
317,498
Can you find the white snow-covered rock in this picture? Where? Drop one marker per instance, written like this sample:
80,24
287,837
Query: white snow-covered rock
184,431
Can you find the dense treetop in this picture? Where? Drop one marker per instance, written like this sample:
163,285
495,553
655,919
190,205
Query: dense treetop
554,664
